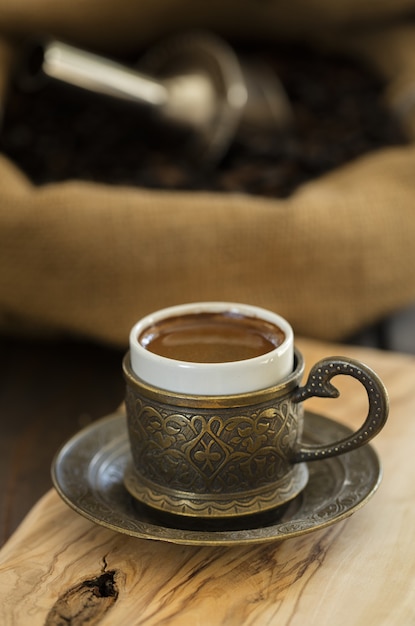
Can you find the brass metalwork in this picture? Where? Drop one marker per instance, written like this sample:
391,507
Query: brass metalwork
88,473
230,456
318,384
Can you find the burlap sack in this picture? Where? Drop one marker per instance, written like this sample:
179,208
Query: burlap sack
337,255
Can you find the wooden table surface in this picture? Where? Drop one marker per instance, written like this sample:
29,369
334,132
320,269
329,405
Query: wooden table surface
59,568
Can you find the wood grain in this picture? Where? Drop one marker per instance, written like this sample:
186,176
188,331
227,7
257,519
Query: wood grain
59,568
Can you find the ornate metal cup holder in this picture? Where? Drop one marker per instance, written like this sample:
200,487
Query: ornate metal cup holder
88,473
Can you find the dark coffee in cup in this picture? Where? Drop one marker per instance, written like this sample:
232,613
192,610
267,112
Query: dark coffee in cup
216,428
210,337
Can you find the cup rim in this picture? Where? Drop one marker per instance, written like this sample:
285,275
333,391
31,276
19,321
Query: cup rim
139,354
235,400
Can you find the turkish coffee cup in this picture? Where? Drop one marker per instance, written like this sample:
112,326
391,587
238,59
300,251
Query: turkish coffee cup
215,411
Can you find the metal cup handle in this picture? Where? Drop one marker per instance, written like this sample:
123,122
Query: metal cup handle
318,384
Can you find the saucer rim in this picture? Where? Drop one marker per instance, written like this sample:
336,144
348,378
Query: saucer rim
191,537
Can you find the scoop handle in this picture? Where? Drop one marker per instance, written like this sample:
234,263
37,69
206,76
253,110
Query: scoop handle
80,68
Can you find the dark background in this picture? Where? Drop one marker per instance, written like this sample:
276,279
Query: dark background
48,391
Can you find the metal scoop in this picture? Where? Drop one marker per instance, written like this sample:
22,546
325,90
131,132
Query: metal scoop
194,81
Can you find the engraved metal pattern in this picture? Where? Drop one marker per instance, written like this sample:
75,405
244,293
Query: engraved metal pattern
88,473
318,384
223,506
224,456
214,463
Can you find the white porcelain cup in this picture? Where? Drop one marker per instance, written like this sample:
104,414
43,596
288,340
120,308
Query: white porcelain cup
214,378
220,434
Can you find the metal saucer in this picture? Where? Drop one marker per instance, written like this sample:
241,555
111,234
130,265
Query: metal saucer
88,473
